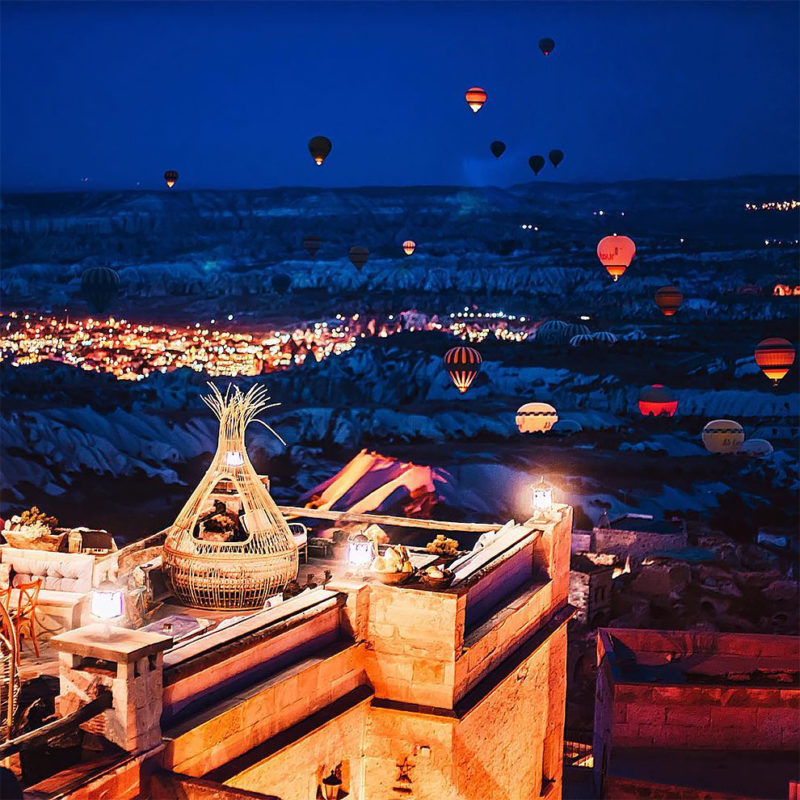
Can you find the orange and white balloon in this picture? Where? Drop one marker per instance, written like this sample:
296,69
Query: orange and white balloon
615,254
475,98
409,247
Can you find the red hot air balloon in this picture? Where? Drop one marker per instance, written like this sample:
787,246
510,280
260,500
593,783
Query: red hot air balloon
615,254
170,176
319,147
358,256
669,299
475,98
409,247
462,365
657,401
775,357
547,45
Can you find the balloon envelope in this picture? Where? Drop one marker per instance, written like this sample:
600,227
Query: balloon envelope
615,254
536,418
775,357
723,436
319,147
409,247
547,45
170,176
497,148
358,256
463,365
669,299
556,157
657,401
99,287
536,163
475,98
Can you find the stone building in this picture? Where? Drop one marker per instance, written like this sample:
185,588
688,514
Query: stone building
456,694
638,536
590,586
696,715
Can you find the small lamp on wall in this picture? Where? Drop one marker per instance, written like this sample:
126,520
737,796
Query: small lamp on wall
360,551
542,500
331,786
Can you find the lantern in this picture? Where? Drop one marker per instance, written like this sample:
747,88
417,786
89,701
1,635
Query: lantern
541,499
360,551
409,247
107,601
475,98
463,365
536,418
234,458
615,254
331,786
775,357
657,401
669,299
723,436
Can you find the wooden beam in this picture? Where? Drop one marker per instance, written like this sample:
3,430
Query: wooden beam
348,517
70,721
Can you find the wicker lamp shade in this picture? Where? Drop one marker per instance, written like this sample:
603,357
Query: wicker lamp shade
249,554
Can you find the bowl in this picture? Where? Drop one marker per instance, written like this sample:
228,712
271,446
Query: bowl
437,583
392,578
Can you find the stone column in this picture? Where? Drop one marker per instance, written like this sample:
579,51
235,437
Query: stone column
129,664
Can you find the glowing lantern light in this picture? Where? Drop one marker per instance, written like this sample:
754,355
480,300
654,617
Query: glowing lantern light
170,176
541,499
657,401
536,418
775,357
723,436
234,458
463,365
615,254
475,98
107,601
319,147
669,299
360,551
331,786
409,247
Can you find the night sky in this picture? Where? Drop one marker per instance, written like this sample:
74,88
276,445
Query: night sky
229,93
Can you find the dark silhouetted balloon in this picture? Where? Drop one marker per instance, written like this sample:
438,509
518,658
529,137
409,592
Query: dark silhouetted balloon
498,148
170,176
547,45
669,299
319,147
359,256
556,157
281,282
536,163
312,244
463,365
99,287
475,98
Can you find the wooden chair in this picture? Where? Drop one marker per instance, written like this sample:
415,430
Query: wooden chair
25,613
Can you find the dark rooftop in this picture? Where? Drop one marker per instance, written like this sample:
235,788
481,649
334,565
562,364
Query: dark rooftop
647,525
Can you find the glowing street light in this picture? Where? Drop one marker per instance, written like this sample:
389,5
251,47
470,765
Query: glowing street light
332,784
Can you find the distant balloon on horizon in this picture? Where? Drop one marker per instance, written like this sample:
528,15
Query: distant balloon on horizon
547,45
536,163
170,176
556,157
497,148
358,256
409,246
320,148
615,254
475,98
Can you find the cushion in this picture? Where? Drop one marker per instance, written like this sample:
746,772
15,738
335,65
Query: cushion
20,578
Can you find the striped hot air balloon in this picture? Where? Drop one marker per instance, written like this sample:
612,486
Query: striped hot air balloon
475,98
657,401
463,365
723,436
669,299
99,287
536,418
615,254
409,247
775,357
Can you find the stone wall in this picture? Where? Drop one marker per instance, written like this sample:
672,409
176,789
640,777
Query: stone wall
636,544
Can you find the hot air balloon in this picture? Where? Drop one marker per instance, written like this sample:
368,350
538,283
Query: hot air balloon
475,98
775,357
756,448
281,282
556,157
170,176
409,247
462,365
669,299
657,401
536,163
497,148
99,287
359,256
723,436
615,254
312,244
547,45
536,418
319,147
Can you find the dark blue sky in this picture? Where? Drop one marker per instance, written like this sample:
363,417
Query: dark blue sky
229,93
